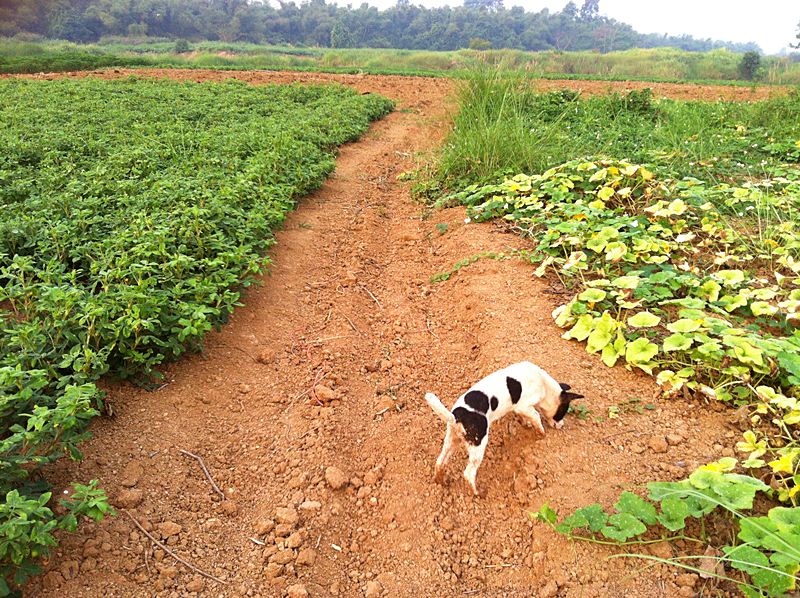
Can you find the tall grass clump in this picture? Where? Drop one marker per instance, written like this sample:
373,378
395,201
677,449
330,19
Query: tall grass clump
504,126
491,132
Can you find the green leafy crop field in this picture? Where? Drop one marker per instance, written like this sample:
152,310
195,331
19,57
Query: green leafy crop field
132,213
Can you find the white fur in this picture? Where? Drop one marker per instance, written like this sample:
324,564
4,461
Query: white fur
538,387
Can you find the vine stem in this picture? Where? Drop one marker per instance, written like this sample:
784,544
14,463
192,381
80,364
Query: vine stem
633,542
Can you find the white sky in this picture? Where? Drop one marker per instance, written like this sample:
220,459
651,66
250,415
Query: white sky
772,24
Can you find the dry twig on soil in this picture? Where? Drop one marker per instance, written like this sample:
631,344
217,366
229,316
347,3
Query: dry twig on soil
368,292
170,553
205,471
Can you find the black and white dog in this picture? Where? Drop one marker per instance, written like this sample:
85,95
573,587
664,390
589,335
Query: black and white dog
522,388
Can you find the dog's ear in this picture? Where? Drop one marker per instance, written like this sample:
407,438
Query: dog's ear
564,386
570,396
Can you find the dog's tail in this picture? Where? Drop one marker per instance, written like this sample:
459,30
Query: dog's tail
439,408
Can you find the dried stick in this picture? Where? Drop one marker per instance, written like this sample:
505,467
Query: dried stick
378,303
205,471
353,326
170,553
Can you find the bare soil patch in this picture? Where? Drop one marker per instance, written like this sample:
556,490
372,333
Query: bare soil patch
308,411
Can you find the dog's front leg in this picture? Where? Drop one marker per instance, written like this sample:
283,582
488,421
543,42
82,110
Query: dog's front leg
444,456
531,416
475,459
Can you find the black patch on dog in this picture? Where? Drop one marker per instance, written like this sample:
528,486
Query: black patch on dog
564,386
563,407
494,403
475,424
561,411
514,388
477,400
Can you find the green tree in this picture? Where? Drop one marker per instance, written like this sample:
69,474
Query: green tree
590,10
749,65
341,36
484,4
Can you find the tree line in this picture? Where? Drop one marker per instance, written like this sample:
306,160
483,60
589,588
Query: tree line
477,23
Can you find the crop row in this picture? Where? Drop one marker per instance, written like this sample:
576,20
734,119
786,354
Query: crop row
132,214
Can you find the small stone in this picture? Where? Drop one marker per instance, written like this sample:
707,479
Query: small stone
287,515
335,477
169,529
662,550
129,499
283,529
687,580
230,508
324,394
244,388
307,557
373,589
686,592
363,492
658,444
283,557
131,474
273,570
267,356
196,584
385,403
711,565
52,580
295,540
310,505
549,591
674,439
89,564
264,526
70,569
372,478
298,590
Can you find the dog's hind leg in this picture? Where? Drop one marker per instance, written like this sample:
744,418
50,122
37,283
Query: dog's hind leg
475,460
444,456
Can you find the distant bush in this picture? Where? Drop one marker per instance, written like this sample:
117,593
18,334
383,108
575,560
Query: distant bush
181,46
749,65
477,43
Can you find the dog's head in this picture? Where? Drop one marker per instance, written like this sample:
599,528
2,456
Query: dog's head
555,406
565,398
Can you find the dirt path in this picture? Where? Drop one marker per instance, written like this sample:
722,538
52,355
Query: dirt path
349,304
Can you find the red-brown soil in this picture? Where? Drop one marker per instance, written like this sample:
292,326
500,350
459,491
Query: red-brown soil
348,305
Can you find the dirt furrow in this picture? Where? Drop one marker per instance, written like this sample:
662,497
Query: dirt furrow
307,409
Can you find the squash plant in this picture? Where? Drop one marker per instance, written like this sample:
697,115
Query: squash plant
696,284
767,549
